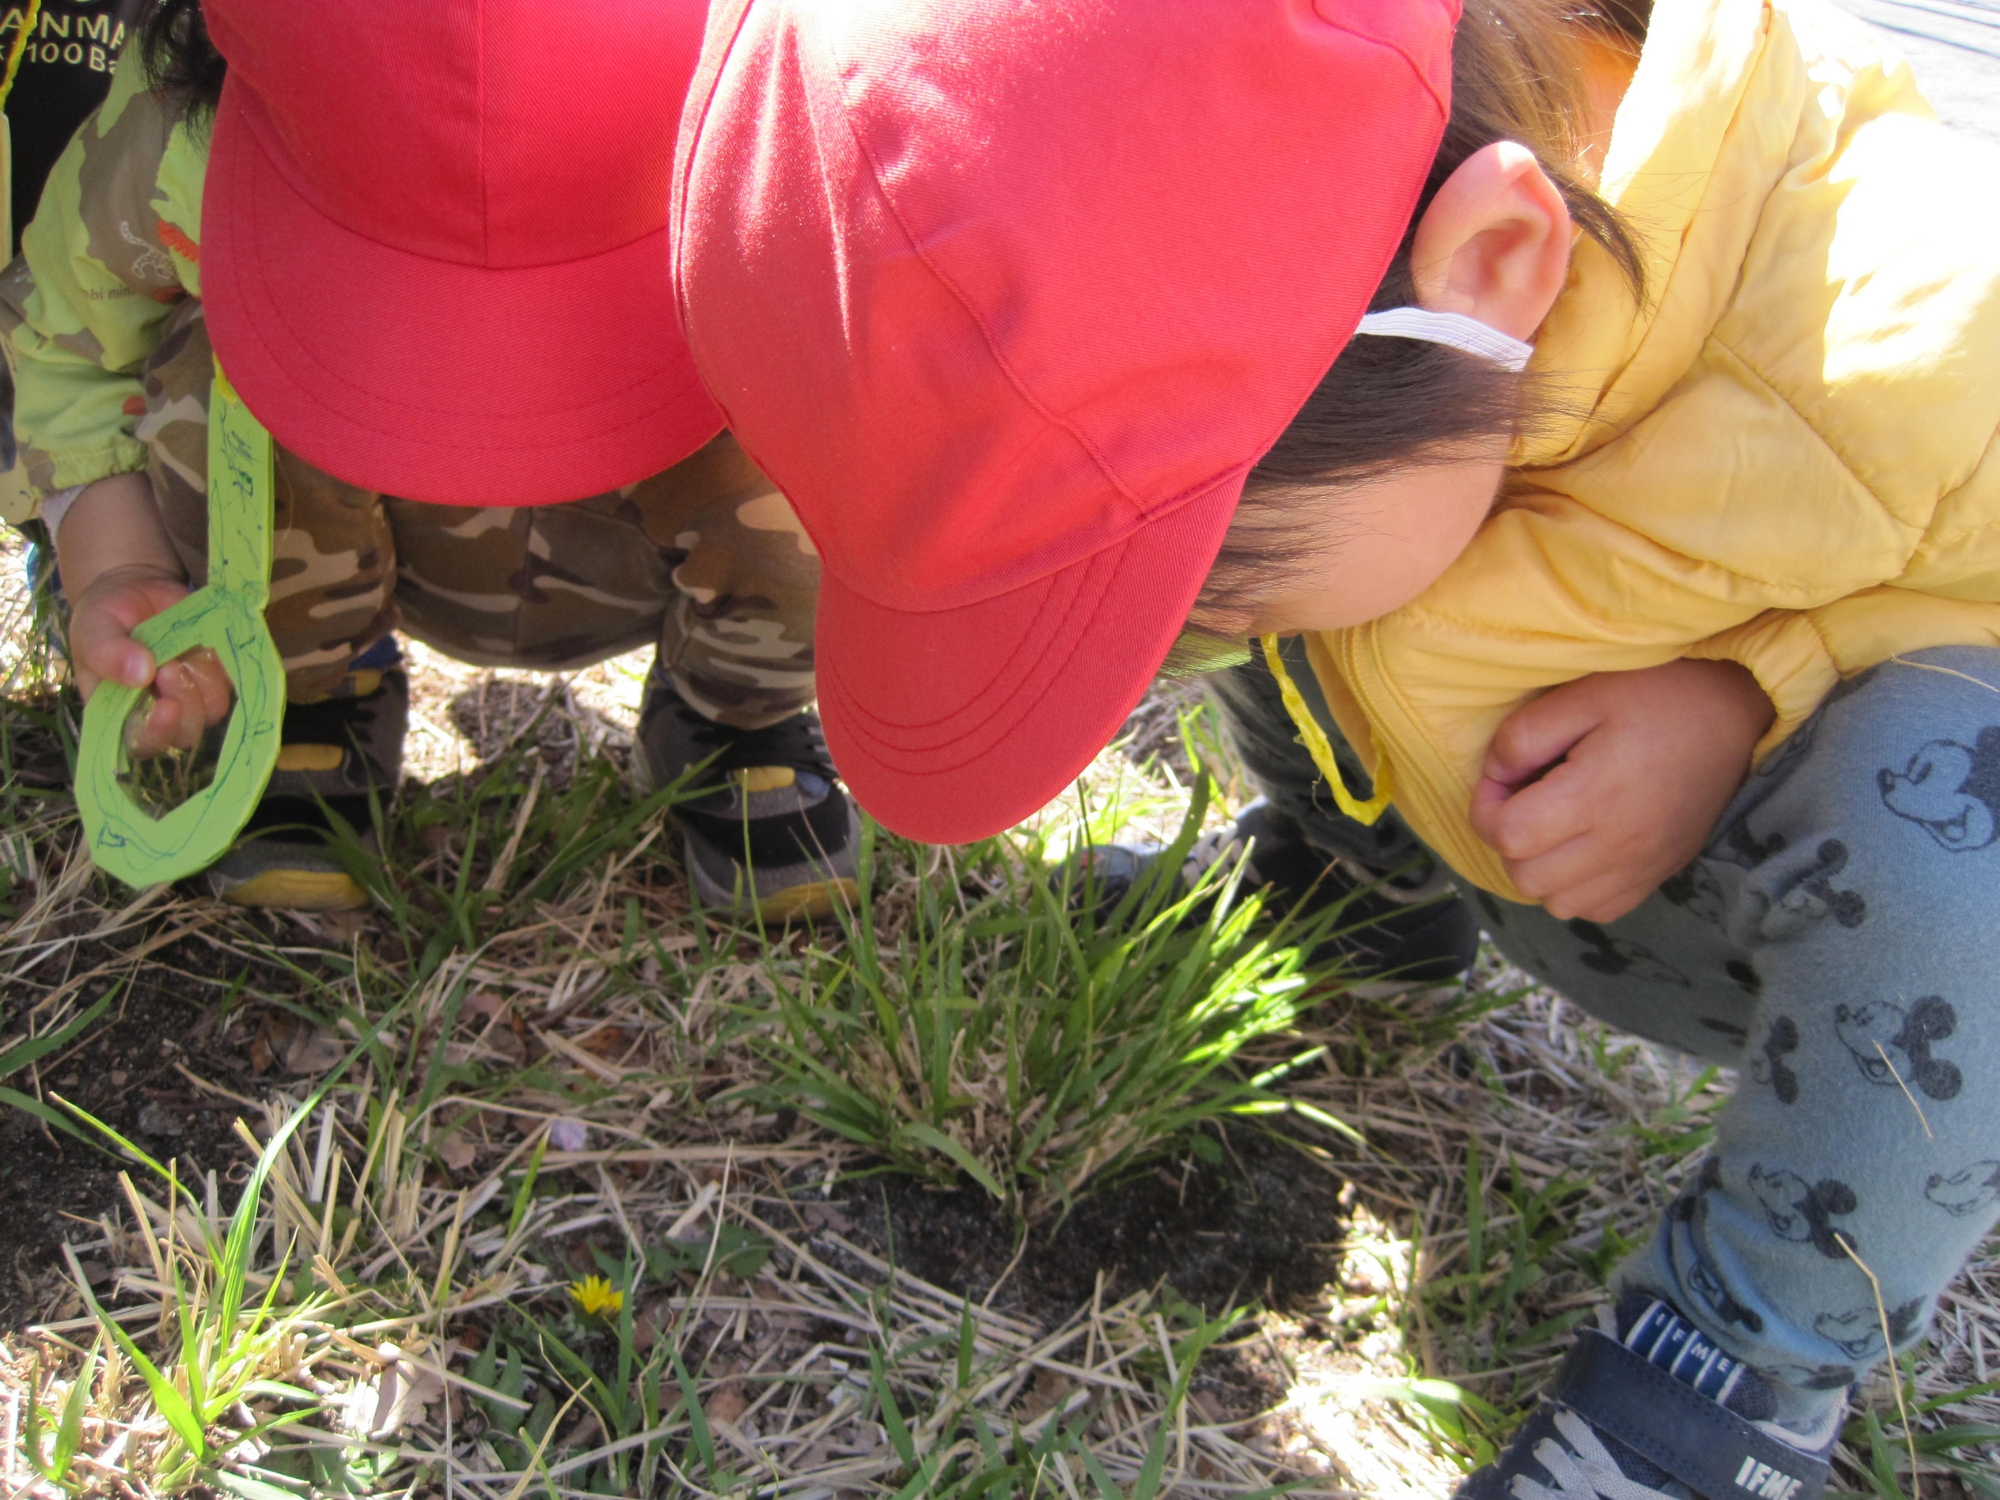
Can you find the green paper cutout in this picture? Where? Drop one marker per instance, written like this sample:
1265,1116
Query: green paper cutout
227,616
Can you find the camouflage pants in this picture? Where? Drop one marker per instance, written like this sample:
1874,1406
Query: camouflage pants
705,559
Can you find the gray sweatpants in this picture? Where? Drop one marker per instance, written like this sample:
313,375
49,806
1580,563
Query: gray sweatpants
1837,942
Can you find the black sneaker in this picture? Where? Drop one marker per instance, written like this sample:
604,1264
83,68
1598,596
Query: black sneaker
1654,1411
1393,929
776,836
332,753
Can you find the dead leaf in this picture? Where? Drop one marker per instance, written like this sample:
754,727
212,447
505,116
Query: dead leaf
455,1151
485,1003
395,1398
313,1050
270,1042
826,1216
607,1042
507,1045
726,1403
349,924
646,1330
1048,1392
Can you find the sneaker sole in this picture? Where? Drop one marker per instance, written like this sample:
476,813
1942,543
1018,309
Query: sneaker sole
293,890
810,899
814,902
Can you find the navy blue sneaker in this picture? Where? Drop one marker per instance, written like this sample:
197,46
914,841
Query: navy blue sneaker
1654,1411
1396,928
775,835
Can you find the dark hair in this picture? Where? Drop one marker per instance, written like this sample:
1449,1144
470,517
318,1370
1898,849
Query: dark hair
181,62
1388,404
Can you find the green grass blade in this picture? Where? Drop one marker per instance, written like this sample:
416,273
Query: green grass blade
247,1488
236,1248
116,1139
172,1405
892,1419
42,1112
524,1195
965,1344
704,1440
21,1054
938,1141
69,1429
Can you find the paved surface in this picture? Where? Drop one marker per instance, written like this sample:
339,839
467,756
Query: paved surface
1955,47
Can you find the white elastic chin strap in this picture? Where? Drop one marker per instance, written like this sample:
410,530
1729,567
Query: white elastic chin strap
1454,330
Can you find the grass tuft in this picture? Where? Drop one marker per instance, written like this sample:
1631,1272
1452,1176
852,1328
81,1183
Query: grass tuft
1000,1019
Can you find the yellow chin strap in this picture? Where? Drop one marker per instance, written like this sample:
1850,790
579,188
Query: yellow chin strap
1314,739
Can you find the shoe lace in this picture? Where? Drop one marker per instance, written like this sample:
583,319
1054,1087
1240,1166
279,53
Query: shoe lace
1584,1470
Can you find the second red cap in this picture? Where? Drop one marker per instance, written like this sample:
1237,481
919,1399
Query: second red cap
1008,296
434,240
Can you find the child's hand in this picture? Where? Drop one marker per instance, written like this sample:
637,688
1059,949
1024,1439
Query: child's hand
120,569
189,694
1602,788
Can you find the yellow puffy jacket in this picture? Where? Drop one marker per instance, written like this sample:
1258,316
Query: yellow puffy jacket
1785,458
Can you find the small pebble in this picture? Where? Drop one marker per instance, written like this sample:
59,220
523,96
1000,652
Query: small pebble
156,1119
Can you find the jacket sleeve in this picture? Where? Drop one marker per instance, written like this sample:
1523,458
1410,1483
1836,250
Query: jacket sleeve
1798,656
100,268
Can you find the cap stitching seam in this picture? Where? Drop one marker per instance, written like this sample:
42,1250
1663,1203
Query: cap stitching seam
684,173
282,165
978,321
858,715
251,324
1423,78
479,96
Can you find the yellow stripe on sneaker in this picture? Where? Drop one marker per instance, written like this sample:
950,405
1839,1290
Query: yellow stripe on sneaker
299,890
811,901
309,757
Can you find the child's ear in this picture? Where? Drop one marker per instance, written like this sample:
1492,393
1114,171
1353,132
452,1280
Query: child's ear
1494,243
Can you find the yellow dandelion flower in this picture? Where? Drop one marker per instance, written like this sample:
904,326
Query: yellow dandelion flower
596,1296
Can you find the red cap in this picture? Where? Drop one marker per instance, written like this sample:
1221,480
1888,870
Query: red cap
434,248
1008,296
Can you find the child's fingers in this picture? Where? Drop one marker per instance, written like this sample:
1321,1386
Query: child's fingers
1604,899
1538,734
1488,800
210,682
1567,867
183,686
1535,819
101,649
153,726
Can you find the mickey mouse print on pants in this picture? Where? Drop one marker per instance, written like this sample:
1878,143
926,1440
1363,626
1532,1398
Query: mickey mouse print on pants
1952,790
1691,1208
1965,1191
1892,1045
1615,956
1806,892
1780,1042
1801,1211
1858,1331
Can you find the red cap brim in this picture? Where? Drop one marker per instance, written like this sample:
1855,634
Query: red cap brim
433,380
953,724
